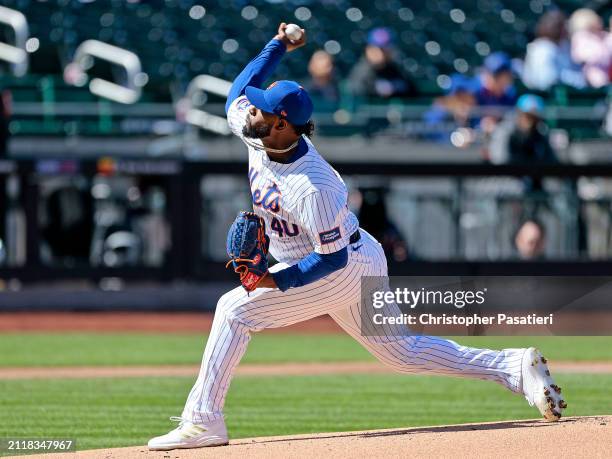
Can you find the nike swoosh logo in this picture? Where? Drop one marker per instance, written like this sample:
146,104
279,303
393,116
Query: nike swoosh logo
355,249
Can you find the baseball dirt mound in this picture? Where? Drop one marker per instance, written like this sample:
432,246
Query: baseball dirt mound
588,437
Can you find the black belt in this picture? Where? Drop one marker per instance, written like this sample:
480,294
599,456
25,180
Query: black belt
355,237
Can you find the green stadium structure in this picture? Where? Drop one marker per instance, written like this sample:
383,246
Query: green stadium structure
180,39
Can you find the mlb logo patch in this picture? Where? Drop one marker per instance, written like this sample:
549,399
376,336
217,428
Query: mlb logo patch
242,104
327,237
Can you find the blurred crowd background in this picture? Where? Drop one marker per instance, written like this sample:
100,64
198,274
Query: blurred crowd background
103,147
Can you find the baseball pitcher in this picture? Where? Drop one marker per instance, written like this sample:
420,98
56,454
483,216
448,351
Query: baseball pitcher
300,216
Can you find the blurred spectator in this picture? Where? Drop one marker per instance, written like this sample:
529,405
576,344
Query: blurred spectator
548,60
5,116
475,104
591,46
530,240
495,84
522,138
494,90
457,104
454,109
322,86
374,218
376,74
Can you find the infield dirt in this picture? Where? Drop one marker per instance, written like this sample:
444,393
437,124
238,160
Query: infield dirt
576,437
278,369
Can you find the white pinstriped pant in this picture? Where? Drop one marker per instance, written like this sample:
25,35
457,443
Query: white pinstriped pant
238,314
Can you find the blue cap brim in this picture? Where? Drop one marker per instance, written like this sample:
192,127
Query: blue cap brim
256,97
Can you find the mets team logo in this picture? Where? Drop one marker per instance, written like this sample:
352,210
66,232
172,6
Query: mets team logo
269,198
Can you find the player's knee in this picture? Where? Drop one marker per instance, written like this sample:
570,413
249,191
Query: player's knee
224,304
393,351
231,307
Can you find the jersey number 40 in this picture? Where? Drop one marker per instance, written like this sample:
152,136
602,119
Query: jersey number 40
282,228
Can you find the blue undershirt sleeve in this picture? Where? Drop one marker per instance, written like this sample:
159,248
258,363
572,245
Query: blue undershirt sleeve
257,71
310,269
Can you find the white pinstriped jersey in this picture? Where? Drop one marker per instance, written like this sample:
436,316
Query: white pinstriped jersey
304,206
304,203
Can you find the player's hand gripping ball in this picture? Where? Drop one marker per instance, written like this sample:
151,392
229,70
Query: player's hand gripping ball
294,32
291,35
247,246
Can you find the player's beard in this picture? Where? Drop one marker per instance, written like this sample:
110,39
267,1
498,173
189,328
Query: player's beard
258,131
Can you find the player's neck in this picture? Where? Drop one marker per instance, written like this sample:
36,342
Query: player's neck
277,156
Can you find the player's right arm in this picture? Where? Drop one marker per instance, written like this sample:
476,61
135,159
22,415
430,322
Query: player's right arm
255,74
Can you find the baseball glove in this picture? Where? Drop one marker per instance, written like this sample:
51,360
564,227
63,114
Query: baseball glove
247,246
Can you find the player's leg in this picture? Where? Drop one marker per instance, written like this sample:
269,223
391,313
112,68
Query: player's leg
236,317
238,314
407,353
520,370
523,371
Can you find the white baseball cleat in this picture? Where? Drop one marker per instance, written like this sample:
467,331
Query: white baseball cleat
538,386
189,435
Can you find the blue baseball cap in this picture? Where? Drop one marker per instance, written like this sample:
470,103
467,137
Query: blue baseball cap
461,83
381,37
530,103
283,98
498,62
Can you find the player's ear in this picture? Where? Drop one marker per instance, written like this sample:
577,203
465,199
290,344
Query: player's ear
281,124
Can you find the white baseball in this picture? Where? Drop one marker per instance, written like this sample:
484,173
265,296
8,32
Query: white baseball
293,32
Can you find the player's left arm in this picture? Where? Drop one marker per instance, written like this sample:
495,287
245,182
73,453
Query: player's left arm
322,214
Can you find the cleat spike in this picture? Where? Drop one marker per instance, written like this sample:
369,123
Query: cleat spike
539,387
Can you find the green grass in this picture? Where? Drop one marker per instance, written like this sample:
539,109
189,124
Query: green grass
39,349
166,349
119,412
127,411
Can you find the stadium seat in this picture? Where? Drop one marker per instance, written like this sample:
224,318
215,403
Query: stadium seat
179,39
